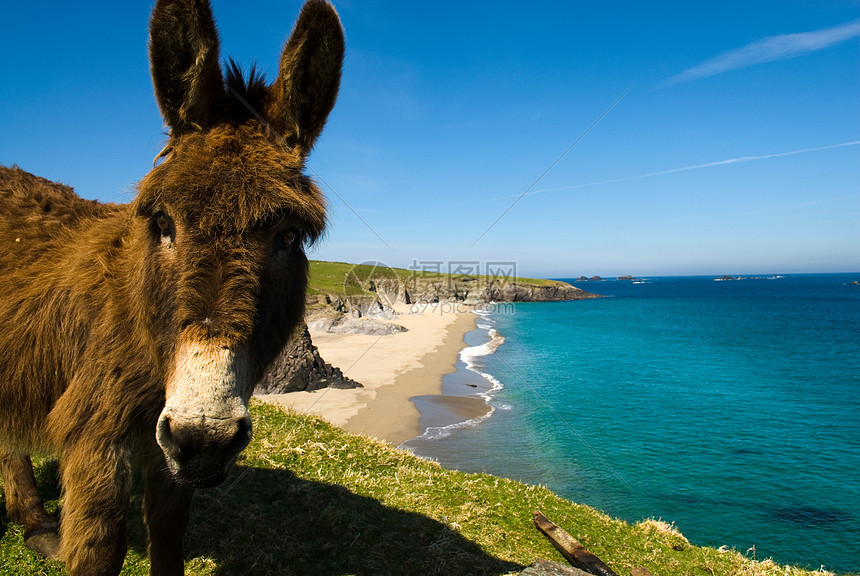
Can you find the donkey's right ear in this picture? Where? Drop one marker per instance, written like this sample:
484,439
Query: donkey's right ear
183,56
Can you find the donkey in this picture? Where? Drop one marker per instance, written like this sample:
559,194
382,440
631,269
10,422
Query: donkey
131,336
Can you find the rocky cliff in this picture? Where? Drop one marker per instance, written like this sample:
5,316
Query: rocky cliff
301,368
381,294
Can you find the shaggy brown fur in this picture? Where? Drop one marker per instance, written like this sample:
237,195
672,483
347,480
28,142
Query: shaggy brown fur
132,335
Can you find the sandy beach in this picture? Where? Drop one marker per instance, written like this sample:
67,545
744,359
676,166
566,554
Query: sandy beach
393,369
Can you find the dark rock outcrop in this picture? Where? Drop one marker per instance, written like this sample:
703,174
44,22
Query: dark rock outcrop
301,368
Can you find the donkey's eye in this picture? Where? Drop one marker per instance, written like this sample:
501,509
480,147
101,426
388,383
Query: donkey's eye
163,223
163,226
288,239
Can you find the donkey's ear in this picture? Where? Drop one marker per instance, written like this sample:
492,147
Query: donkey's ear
309,76
183,56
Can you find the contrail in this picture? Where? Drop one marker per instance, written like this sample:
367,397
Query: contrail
700,166
662,172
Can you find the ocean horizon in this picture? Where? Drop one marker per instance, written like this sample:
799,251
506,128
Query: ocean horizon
727,406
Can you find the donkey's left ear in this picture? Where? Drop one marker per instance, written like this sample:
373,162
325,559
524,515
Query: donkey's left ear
183,55
309,76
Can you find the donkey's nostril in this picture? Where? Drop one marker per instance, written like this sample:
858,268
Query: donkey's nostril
242,436
164,435
180,441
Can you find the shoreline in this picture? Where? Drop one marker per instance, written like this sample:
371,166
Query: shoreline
398,371
392,415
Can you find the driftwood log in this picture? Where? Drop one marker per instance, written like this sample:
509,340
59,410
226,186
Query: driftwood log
574,552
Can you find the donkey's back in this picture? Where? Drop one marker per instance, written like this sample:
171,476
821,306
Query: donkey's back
36,215
54,271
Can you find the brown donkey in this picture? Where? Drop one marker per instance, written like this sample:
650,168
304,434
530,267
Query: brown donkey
133,335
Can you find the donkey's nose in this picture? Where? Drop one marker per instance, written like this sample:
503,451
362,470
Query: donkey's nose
200,449
197,437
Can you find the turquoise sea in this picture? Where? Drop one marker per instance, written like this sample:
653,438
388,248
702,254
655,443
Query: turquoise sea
731,408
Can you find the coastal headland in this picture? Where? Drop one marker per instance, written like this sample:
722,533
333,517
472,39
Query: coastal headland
398,333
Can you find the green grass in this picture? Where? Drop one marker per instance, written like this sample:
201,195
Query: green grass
308,498
340,278
333,278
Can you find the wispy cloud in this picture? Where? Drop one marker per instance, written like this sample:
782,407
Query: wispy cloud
770,49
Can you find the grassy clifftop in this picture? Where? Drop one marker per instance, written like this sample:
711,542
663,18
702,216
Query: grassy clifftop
342,280
308,498
335,277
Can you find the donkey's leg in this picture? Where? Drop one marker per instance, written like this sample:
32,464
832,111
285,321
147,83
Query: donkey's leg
96,482
166,507
24,505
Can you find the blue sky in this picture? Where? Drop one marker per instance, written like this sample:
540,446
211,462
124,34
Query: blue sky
734,150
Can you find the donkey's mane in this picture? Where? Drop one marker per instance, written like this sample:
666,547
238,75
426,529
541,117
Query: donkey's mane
246,97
